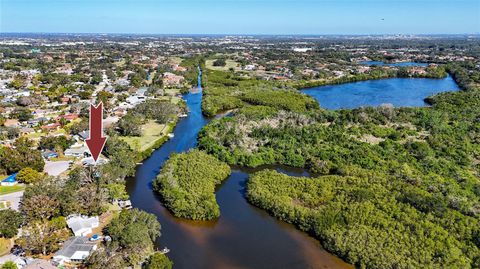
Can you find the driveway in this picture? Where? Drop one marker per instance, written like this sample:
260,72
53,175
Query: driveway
56,168
19,261
14,199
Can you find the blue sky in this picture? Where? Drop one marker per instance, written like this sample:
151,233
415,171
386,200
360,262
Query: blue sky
241,16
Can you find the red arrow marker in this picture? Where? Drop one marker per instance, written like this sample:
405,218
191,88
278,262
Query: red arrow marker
96,141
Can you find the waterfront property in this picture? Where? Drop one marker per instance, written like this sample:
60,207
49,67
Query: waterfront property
82,225
74,250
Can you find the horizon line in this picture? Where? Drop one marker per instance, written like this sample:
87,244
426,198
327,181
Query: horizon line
243,34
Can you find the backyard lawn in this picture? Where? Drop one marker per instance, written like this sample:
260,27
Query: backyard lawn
5,245
8,189
151,132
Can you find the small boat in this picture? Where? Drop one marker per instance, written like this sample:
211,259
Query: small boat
165,250
171,135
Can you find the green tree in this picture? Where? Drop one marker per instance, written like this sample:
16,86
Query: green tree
28,176
11,221
22,114
158,261
14,159
40,207
52,142
9,265
117,191
107,257
104,97
42,237
122,160
130,125
187,184
220,62
134,231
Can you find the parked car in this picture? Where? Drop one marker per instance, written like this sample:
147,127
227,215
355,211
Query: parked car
94,237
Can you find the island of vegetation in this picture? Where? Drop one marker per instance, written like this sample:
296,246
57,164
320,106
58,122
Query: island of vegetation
187,184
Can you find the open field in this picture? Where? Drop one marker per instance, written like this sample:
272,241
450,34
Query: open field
230,64
151,132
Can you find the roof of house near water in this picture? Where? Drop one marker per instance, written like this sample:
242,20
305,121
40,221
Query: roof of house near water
39,264
82,225
74,249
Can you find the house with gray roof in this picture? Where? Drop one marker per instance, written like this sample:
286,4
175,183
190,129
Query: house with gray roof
84,135
74,250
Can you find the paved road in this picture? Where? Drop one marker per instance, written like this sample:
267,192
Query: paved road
14,199
56,168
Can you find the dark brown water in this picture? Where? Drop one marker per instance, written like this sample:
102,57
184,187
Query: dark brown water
243,237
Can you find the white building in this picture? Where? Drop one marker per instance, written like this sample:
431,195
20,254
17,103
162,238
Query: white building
82,225
249,67
135,100
76,152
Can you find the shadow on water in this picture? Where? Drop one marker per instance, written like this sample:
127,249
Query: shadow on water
244,236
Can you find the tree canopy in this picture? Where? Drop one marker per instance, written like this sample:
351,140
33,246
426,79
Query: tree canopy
11,221
187,184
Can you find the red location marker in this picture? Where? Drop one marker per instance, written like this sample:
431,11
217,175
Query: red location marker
96,140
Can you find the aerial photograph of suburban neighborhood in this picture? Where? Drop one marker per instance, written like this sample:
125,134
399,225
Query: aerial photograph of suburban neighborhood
239,134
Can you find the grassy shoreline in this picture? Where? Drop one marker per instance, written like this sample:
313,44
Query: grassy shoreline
146,153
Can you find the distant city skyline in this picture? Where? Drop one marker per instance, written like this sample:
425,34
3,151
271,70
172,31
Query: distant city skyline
304,17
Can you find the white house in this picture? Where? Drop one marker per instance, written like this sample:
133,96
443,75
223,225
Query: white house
75,249
76,152
82,225
135,100
249,67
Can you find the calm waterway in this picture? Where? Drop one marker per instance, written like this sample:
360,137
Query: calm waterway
400,92
245,236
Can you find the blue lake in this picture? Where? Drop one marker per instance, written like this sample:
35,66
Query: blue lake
393,64
401,92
